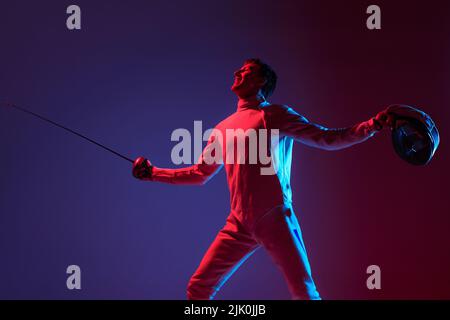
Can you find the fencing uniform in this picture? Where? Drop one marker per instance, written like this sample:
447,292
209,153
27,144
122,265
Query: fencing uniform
261,204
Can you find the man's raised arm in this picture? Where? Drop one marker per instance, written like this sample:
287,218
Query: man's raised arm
292,124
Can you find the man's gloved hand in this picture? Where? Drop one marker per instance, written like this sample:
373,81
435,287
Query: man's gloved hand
383,119
142,169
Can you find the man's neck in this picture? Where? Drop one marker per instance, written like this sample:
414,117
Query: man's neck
249,102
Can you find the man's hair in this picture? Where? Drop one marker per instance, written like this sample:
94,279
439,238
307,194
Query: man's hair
268,74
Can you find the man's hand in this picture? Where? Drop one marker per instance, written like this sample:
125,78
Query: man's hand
142,169
384,119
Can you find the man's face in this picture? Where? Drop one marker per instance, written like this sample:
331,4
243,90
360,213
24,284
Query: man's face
247,80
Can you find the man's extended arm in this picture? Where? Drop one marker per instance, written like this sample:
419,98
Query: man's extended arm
197,174
292,124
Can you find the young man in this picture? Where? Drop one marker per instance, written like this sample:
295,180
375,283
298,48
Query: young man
261,204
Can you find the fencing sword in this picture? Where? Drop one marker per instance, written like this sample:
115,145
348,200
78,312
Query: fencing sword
11,105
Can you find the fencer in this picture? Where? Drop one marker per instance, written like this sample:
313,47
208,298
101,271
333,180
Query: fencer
262,213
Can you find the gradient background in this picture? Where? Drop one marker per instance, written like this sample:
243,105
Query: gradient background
140,69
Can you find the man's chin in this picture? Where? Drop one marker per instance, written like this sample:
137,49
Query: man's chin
237,88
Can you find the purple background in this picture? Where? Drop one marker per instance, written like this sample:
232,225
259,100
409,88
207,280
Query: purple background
140,69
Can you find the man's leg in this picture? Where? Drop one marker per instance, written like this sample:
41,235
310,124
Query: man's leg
279,233
231,247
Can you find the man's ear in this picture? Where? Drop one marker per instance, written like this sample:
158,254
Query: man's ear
263,82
